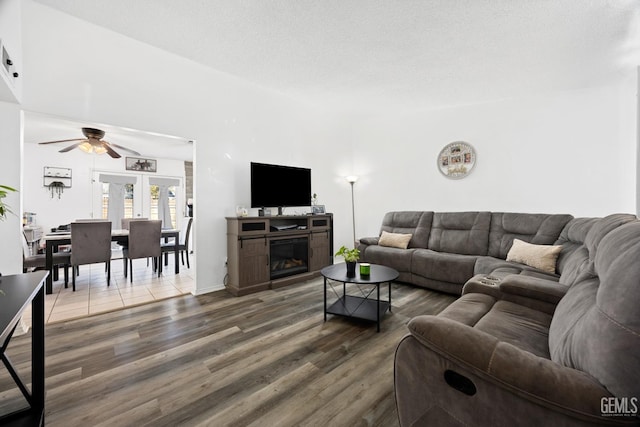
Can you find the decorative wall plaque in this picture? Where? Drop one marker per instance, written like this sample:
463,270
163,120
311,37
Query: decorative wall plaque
456,160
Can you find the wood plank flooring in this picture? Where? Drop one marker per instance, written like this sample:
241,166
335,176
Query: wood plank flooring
266,359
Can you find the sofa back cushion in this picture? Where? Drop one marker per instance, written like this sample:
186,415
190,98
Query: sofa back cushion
574,257
577,254
539,229
418,224
465,233
596,325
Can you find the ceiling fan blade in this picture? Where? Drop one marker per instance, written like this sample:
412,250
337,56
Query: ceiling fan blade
71,147
62,140
111,152
123,148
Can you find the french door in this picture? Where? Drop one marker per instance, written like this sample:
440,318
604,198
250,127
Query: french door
142,197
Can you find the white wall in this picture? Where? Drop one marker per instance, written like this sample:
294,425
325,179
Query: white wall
11,227
568,152
75,202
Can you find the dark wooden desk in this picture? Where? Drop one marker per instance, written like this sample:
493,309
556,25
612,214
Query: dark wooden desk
121,236
17,292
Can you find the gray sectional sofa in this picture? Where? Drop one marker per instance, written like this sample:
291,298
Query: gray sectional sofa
448,248
521,346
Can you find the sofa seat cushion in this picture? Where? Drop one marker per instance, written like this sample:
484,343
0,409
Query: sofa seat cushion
526,328
518,325
500,268
442,266
399,259
469,308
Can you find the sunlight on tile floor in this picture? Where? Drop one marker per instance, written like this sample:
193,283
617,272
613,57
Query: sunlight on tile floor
93,296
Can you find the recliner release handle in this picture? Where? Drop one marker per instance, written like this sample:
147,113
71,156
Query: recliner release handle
460,382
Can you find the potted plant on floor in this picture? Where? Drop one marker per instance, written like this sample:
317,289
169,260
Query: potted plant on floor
350,256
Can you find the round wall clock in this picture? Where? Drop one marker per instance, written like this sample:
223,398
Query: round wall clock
456,160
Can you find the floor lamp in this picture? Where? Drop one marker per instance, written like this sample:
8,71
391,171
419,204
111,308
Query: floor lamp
352,180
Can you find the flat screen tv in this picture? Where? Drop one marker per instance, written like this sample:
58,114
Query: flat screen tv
279,186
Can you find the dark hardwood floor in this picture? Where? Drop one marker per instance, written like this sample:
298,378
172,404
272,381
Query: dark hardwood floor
266,359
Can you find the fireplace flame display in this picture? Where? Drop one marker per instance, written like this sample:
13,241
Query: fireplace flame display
289,257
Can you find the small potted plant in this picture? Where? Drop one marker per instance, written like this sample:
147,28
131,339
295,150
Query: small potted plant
350,256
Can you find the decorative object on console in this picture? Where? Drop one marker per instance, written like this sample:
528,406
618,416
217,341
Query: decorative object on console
350,256
241,211
456,160
317,209
143,165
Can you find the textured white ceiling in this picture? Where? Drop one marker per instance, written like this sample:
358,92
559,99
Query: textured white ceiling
388,53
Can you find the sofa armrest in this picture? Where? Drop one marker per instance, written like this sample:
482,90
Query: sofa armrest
533,287
369,240
531,377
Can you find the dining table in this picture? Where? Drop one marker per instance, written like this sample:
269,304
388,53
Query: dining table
60,238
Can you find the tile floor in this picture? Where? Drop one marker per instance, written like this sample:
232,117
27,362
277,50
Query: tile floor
93,296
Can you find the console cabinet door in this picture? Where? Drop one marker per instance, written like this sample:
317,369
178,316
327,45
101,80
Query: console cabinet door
253,261
319,255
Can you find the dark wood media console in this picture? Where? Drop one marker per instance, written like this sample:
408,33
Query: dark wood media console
274,251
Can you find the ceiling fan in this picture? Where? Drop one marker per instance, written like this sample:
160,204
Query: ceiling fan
93,144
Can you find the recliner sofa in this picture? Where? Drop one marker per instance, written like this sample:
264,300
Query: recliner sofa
448,248
531,348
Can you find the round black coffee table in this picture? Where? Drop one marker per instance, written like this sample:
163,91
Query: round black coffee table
358,306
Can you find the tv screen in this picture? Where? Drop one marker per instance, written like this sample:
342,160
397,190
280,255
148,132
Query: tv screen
279,186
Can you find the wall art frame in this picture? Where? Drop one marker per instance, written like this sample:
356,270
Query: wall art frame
142,165
456,160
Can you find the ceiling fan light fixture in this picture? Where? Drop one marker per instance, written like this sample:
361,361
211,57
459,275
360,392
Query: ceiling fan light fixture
99,149
93,144
86,147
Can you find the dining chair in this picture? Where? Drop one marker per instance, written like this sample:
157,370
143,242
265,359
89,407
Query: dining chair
90,244
183,245
38,261
144,242
124,222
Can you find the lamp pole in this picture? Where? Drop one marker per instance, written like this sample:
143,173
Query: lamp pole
352,180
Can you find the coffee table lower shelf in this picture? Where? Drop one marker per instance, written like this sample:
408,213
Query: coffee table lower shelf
358,307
